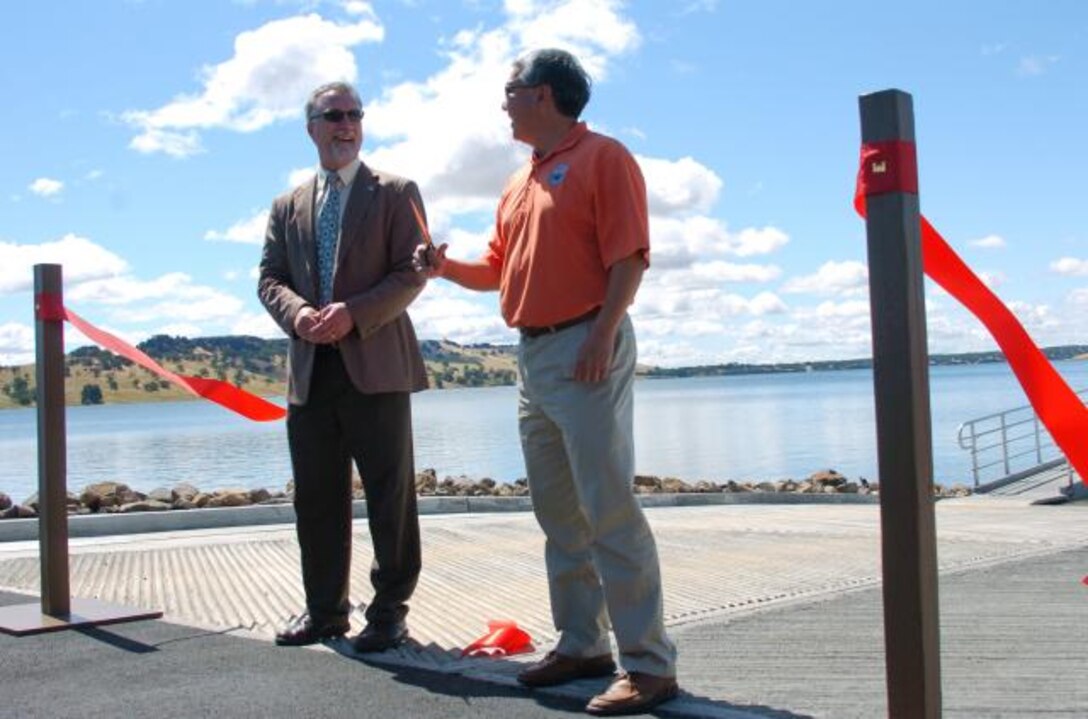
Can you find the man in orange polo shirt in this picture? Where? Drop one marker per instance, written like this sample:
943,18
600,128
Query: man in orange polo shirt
570,244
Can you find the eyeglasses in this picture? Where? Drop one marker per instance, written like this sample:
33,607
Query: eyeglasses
511,87
338,115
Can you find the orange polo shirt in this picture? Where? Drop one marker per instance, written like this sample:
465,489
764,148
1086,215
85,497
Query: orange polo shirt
563,220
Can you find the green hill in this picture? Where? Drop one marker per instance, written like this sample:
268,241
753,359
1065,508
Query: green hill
95,376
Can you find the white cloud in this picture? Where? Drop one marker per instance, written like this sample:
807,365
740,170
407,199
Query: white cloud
988,242
679,186
81,260
1033,316
757,241
833,278
689,241
467,163
16,344
170,298
445,311
671,353
463,168
299,176
462,244
693,6
46,187
196,305
169,142
849,309
992,278
256,324
357,7
266,80
717,272
179,329
1034,65
760,330
666,310
129,290
767,303
1070,266
250,232
591,29
74,338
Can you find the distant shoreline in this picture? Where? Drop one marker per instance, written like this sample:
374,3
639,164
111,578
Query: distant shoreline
259,367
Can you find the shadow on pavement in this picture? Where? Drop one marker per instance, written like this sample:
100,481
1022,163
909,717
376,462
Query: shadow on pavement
473,680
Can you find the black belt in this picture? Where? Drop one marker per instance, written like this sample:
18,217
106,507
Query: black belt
531,332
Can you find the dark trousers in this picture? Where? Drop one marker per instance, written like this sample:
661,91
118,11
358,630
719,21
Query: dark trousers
336,425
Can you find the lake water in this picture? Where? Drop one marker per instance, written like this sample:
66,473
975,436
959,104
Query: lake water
750,427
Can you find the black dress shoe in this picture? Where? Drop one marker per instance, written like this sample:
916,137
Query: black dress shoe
377,637
304,630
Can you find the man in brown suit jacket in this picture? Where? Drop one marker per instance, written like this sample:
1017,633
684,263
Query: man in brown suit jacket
336,275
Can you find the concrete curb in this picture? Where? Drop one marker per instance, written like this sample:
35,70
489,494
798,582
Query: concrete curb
98,525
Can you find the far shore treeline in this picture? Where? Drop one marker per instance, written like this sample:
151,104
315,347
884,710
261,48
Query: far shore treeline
95,376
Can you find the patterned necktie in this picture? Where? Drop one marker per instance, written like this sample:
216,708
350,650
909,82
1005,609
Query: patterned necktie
328,229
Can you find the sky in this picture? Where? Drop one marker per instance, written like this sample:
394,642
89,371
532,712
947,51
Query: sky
142,143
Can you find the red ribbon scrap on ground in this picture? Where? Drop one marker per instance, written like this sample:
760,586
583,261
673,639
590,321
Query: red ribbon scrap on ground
504,637
892,167
250,406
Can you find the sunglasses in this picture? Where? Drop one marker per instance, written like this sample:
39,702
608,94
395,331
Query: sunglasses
511,87
338,115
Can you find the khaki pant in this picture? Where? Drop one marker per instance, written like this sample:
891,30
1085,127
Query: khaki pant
579,454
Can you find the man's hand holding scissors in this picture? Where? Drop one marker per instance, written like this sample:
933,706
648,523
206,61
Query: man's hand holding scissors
427,258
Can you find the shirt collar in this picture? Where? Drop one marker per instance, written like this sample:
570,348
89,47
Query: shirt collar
574,134
347,172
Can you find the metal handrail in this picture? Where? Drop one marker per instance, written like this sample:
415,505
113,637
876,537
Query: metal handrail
1005,439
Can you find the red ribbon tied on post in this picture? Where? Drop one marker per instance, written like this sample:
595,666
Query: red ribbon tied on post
250,406
892,167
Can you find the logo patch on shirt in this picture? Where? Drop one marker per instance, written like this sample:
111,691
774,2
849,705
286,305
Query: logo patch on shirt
556,176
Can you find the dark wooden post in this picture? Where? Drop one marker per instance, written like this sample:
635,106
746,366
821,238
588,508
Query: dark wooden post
58,609
904,436
52,447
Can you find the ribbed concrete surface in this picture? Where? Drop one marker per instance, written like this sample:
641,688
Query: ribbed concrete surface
716,561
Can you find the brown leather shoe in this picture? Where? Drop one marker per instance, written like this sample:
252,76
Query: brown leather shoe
633,693
556,668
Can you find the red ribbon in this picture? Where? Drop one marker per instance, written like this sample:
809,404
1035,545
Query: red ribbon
888,167
250,406
1059,408
504,637
48,307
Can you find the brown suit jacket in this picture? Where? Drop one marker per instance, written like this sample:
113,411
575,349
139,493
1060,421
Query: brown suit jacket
373,276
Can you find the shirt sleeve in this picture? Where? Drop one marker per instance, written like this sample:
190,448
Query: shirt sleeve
622,214
495,254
